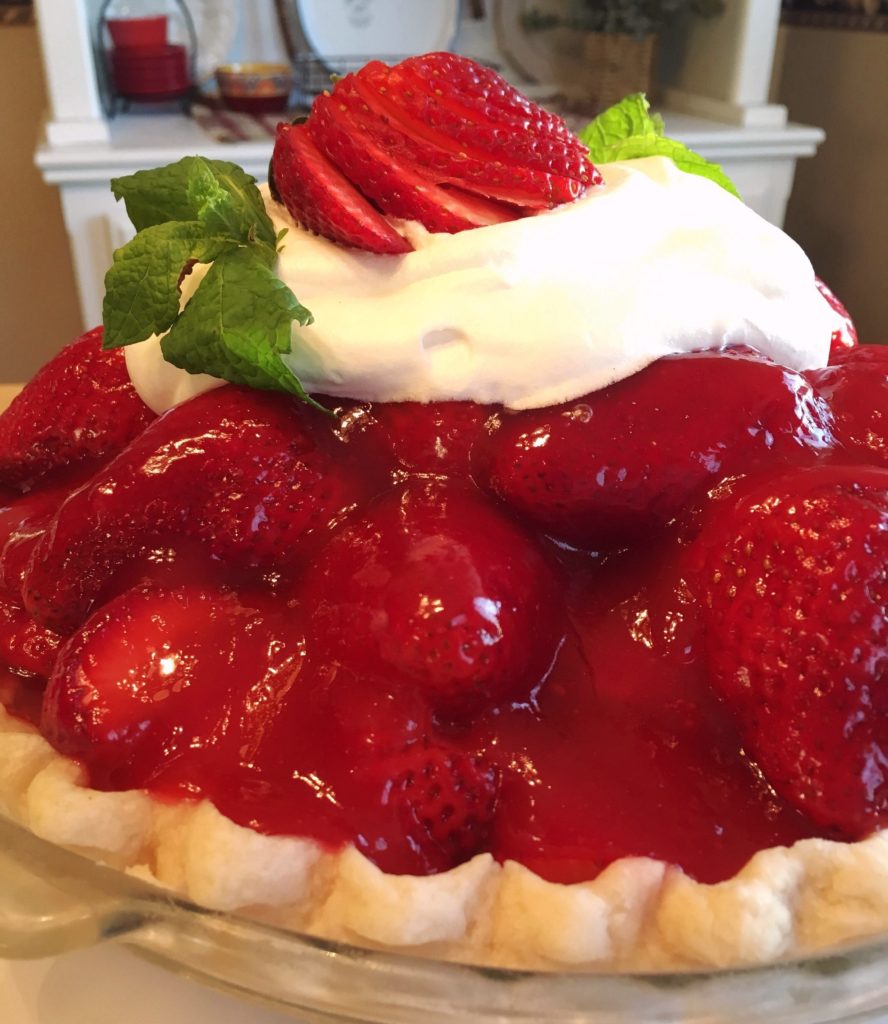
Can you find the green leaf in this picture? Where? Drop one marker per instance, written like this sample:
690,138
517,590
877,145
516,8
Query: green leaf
631,116
238,324
216,193
628,131
226,200
142,285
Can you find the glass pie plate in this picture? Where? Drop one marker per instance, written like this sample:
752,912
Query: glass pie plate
53,901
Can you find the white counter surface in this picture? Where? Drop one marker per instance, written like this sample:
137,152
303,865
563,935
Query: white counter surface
111,985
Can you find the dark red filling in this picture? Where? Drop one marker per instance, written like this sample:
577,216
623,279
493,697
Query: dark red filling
427,670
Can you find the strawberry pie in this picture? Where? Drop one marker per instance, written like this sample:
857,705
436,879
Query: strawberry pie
475,543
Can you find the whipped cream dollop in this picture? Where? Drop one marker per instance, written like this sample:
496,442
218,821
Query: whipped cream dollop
543,309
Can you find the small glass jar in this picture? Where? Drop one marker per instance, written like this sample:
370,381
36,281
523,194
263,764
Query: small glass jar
148,48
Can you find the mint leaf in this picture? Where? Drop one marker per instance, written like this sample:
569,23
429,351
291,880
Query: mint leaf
237,325
628,131
631,116
142,285
226,200
216,193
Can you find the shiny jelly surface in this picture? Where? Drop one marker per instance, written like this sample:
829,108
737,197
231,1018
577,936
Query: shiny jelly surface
196,679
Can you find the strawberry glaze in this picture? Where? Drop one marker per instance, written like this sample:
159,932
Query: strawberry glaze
430,677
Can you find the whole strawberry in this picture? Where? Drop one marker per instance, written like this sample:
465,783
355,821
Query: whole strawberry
28,648
602,470
844,338
794,587
80,407
856,389
153,689
441,804
427,437
433,585
242,473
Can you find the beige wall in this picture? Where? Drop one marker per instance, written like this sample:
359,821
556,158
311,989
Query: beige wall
38,302
839,205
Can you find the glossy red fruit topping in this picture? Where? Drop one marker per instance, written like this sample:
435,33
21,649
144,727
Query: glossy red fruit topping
845,337
395,187
434,585
242,472
427,437
795,594
321,199
28,648
856,389
604,469
344,638
154,686
80,407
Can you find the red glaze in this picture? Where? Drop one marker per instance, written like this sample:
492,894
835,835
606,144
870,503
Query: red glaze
607,468
318,701
80,406
856,388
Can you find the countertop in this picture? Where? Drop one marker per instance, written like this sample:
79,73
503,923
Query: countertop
111,985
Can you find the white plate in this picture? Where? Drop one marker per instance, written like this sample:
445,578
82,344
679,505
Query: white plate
378,27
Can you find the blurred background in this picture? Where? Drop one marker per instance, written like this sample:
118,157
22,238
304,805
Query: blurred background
790,97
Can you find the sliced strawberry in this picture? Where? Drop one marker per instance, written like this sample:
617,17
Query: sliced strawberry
521,186
794,581
605,469
153,688
472,88
395,187
79,407
245,473
393,94
321,199
434,586
845,337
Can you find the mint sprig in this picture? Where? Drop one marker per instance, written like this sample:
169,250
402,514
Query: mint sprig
237,324
628,130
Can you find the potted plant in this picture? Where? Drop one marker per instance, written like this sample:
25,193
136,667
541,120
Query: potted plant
616,41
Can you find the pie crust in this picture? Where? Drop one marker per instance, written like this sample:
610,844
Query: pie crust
638,914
